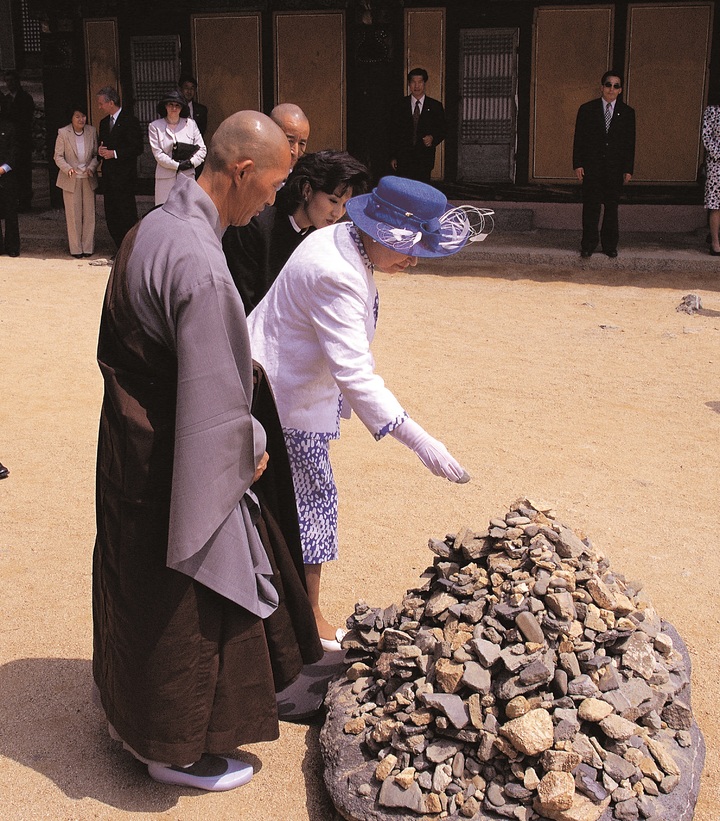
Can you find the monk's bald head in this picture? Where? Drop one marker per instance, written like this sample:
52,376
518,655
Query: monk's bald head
295,125
247,135
247,162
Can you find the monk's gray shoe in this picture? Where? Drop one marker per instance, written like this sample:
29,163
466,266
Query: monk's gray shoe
212,772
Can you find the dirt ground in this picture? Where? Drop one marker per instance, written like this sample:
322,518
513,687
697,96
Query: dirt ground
588,392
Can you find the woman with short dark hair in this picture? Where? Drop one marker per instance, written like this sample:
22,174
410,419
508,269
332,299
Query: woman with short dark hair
313,197
76,156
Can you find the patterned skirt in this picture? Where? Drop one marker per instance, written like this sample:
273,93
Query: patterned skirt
315,493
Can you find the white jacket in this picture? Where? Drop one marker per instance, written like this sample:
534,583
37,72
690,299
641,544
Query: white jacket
312,333
162,139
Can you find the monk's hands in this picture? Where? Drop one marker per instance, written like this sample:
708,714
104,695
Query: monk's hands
262,464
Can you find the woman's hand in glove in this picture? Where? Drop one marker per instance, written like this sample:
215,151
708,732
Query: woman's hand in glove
432,453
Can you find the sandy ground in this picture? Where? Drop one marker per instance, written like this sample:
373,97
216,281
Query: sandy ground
591,393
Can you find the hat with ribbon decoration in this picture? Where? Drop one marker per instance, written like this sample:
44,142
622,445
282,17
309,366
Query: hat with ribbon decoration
412,218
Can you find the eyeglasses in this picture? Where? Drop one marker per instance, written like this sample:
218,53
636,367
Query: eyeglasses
612,85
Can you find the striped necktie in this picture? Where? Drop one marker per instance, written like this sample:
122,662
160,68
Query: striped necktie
608,117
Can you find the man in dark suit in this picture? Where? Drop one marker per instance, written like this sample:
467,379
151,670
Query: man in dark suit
417,127
10,243
198,112
20,110
121,143
603,159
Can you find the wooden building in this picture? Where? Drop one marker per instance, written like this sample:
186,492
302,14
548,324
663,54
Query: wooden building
511,74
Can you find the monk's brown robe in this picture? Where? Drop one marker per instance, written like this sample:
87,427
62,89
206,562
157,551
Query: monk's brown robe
186,565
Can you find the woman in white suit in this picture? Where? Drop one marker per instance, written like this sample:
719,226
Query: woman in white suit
174,130
76,156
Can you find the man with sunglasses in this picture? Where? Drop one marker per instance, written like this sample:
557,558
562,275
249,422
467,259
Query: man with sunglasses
603,159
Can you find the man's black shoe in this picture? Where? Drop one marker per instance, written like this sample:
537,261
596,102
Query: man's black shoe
13,253
4,472
611,254
585,254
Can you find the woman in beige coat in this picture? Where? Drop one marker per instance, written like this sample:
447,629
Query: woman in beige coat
76,156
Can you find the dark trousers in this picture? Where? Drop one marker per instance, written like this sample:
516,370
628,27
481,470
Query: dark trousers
411,169
23,170
120,208
608,234
10,242
598,192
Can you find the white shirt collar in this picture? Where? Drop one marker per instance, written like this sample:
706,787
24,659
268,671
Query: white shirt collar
295,226
421,101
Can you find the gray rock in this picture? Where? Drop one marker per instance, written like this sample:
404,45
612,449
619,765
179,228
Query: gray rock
586,781
568,545
394,796
618,768
536,672
582,686
512,660
486,651
450,705
626,810
495,794
442,749
678,715
476,677
562,605
529,627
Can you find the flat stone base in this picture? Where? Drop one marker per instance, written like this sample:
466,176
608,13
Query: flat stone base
350,780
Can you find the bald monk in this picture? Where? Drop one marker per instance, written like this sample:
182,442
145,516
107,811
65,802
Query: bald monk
181,579
295,126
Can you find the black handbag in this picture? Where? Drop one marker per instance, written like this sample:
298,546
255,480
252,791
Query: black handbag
184,151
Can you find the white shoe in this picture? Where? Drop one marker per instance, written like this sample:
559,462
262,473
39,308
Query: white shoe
333,645
212,772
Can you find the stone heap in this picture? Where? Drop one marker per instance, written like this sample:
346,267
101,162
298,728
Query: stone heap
522,679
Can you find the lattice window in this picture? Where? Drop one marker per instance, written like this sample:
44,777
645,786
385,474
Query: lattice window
30,29
488,80
155,70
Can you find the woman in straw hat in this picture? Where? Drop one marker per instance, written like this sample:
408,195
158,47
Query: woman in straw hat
312,335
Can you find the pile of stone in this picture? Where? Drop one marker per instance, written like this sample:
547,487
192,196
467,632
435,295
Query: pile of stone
522,679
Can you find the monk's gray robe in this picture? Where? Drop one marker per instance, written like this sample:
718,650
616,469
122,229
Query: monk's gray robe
180,579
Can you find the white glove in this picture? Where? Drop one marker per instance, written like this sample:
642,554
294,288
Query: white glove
433,454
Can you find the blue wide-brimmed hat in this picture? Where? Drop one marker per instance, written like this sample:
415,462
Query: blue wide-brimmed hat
410,217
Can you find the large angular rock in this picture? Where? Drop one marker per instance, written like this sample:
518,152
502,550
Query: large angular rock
530,734
555,791
582,809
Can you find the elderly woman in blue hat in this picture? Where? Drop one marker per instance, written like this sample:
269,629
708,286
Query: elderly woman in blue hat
312,334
